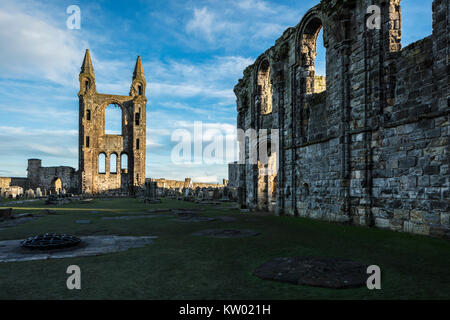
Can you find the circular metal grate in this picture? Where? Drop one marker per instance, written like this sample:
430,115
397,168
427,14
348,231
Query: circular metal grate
49,241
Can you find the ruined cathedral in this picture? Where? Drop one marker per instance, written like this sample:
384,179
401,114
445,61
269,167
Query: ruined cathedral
123,155
107,162
369,143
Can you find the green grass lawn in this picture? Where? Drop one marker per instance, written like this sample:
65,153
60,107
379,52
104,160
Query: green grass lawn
181,266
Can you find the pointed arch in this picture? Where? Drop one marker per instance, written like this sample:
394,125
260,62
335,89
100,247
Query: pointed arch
264,86
56,185
310,28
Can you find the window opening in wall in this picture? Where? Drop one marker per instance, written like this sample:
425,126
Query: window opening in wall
124,162
101,163
113,163
113,119
264,88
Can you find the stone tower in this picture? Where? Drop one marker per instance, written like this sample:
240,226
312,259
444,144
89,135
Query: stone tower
33,172
111,162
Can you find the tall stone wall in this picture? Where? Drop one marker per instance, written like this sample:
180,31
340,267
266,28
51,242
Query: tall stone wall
50,179
67,175
33,175
233,174
372,148
19,181
94,142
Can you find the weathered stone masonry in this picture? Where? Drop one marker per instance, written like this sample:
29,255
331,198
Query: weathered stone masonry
52,179
40,181
180,185
93,141
373,148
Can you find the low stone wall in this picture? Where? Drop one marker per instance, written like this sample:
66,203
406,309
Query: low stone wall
187,183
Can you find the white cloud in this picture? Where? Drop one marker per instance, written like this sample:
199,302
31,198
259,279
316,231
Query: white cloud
39,112
151,142
39,48
213,78
202,22
55,146
240,23
186,107
27,132
54,150
158,131
269,30
32,48
206,179
207,24
185,90
255,6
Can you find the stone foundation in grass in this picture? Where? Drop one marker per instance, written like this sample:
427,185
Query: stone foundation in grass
11,251
315,271
226,233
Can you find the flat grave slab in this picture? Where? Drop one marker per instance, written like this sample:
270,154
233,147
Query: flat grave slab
15,222
314,271
83,221
10,250
130,217
226,219
194,218
226,233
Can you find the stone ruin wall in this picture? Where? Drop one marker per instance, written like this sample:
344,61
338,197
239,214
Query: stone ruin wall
94,141
233,174
188,190
19,181
187,183
207,185
5,182
6,189
11,192
67,175
373,149
40,181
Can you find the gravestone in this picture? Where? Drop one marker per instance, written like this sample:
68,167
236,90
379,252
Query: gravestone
29,194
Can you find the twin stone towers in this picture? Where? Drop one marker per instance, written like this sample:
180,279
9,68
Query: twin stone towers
111,161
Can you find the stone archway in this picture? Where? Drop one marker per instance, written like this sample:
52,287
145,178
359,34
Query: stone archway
114,119
308,40
264,88
267,179
56,186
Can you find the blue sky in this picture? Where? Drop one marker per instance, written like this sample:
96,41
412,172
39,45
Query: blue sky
193,54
